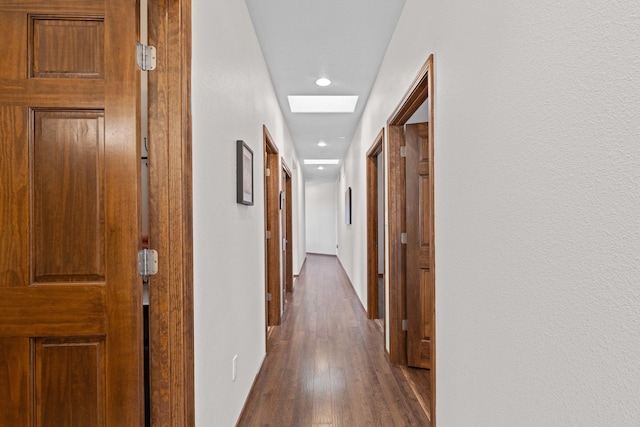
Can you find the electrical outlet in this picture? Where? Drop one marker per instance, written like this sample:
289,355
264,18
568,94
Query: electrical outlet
234,369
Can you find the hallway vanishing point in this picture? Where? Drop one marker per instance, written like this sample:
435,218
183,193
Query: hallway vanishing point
326,366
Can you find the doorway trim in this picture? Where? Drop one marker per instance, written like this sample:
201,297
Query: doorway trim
287,268
272,230
171,219
419,91
373,251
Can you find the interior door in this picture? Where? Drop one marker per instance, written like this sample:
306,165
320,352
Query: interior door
418,220
283,216
272,227
70,297
289,229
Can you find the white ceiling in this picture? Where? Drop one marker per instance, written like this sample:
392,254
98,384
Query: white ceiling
343,40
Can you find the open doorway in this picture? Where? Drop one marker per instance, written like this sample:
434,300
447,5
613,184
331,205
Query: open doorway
272,231
376,301
411,231
287,229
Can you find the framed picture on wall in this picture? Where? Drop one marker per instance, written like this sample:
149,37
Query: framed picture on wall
347,206
244,159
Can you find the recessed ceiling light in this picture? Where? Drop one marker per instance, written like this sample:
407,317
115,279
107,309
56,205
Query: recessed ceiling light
322,104
323,82
322,144
321,161
320,168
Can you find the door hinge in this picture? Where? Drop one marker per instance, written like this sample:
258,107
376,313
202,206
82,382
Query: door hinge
403,151
268,296
405,325
268,233
403,238
267,172
147,262
146,57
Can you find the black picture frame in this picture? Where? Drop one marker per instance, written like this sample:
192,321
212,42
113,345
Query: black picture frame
244,170
347,206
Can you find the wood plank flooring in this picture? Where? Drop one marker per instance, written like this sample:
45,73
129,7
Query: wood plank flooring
326,364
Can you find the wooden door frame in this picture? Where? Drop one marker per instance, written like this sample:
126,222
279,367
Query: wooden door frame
288,261
373,251
272,223
420,90
171,316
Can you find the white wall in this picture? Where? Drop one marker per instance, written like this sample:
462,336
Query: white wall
299,218
232,98
321,217
537,192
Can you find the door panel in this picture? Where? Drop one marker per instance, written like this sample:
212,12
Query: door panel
68,198
50,54
419,275
69,386
70,297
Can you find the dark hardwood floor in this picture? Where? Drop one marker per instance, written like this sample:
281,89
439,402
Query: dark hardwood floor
326,364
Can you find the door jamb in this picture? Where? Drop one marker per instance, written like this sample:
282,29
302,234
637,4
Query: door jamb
272,224
373,195
171,315
419,91
288,261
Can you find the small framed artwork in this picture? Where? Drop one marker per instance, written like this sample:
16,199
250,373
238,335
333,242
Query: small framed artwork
347,206
244,158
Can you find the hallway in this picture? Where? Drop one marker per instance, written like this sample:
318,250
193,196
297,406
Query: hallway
326,364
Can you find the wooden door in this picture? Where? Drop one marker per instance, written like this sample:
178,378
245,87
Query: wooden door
289,229
272,228
418,220
375,196
70,297
283,227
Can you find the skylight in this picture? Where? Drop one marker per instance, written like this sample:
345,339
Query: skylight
322,104
321,161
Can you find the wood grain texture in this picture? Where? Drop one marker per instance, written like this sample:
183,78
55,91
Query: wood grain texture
124,346
326,363
75,7
54,93
15,409
14,197
284,201
419,218
72,171
397,251
53,310
66,48
287,187
69,381
373,197
68,196
171,226
272,225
